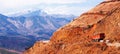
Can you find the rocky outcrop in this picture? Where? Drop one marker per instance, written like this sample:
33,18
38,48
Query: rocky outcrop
76,37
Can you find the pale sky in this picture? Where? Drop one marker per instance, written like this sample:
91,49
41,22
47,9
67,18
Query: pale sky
75,7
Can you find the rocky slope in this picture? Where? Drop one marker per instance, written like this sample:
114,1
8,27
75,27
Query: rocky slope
76,37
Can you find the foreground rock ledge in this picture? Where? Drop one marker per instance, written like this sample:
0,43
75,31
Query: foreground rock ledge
76,37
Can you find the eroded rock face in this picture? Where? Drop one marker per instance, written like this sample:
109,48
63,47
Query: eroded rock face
75,37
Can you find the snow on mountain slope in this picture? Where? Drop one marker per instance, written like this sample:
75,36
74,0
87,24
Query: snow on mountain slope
36,22
27,27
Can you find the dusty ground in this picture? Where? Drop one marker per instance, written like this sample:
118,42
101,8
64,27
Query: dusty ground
75,37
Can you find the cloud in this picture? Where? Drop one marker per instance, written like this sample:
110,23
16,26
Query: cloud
20,3
50,6
66,10
54,10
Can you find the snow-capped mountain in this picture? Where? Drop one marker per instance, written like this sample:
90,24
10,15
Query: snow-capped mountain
6,27
39,23
29,26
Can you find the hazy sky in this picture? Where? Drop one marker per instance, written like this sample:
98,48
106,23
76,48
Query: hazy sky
75,7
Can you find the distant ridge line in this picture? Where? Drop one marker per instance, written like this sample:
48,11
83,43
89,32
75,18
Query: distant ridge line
109,1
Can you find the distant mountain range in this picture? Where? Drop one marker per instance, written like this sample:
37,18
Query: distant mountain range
21,30
6,51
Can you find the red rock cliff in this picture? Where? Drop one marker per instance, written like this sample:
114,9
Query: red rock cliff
76,37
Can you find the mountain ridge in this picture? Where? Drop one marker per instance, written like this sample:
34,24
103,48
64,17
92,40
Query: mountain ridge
94,32
27,28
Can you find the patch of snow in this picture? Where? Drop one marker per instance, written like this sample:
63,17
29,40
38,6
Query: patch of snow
49,25
21,12
28,23
14,22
